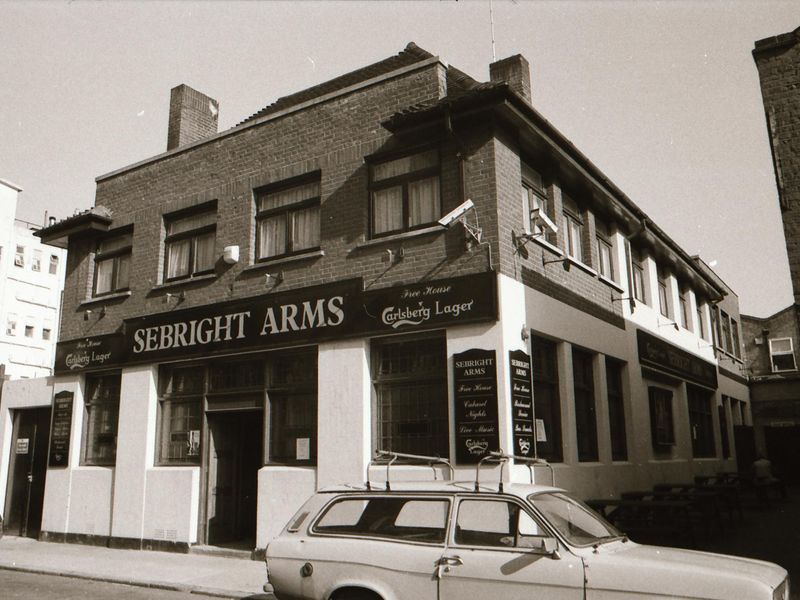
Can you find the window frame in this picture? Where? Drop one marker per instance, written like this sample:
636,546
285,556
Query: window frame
773,353
115,256
701,422
585,405
90,407
36,261
288,210
521,509
53,267
534,196
701,321
19,256
404,180
639,291
544,367
664,304
390,386
662,434
573,228
191,234
615,375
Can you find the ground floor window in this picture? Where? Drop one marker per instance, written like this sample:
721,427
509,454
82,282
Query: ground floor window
280,385
616,409
723,428
661,426
585,413
101,419
409,375
701,422
546,399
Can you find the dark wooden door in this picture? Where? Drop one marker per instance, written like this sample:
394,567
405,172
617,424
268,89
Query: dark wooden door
27,471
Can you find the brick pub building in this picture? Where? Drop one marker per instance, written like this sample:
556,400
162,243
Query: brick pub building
370,264
771,342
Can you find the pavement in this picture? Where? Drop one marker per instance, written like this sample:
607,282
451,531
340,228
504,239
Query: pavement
217,576
768,532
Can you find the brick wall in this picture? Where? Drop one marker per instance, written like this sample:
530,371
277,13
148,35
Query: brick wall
778,63
756,344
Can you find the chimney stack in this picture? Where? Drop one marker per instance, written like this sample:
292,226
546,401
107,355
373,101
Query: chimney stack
516,72
192,116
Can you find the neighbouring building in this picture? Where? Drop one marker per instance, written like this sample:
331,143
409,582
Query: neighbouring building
400,258
30,298
771,342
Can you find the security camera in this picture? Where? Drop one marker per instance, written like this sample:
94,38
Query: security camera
540,218
455,214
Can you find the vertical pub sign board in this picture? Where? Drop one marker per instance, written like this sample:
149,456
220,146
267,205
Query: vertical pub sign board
60,429
522,402
475,385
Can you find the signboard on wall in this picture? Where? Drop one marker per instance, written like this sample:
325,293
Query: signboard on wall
521,402
663,356
475,397
306,315
60,429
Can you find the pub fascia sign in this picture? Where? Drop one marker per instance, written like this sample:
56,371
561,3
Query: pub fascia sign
662,355
310,314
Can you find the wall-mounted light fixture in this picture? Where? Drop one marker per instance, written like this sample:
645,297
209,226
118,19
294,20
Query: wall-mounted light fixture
565,262
230,254
524,334
86,314
274,278
631,300
395,256
669,324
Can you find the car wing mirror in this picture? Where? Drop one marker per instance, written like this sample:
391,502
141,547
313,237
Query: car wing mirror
540,545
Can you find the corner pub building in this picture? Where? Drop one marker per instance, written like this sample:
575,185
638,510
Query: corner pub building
370,264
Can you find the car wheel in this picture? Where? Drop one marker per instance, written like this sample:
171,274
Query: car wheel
355,594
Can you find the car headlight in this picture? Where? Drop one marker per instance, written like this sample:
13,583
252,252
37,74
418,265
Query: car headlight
782,591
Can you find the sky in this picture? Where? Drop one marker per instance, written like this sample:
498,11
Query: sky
662,96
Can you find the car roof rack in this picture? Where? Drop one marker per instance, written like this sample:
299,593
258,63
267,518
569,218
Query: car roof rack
498,456
389,458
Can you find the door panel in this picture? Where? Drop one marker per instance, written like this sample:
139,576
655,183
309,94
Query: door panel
27,471
487,560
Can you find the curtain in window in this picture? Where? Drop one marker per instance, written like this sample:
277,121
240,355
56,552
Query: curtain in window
289,196
387,207
272,236
204,252
105,271
178,258
123,272
406,164
305,228
191,222
423,201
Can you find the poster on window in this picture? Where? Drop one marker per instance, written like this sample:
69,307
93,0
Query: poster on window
475,387
521,402
60,429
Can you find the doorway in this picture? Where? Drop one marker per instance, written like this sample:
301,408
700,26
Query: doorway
27,470
235,451
783,450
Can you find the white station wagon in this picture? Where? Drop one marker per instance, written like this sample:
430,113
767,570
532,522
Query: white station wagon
448,540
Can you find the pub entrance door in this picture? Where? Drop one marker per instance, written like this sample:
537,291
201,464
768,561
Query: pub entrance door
27,468
235,451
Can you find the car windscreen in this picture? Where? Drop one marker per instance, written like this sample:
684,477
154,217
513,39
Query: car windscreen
399,518
575,521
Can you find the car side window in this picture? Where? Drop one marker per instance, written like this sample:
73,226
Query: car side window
408,519
495,523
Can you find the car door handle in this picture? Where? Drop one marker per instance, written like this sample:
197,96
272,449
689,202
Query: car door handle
445,562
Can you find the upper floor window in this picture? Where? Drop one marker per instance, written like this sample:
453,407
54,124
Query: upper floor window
11,325
46,333
287,218
736,345
189,243
19,257
534,198
573,229
637,274
684,306
663,294
36,260
29,331
781,351
53,264
725,330
701,322
405,193
112,264
605,253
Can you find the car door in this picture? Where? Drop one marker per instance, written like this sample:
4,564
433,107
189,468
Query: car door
495,552
388,543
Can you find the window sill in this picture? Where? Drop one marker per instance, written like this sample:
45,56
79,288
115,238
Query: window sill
388,239
183,282
282,260
105,298
545,244
582,266
611,283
